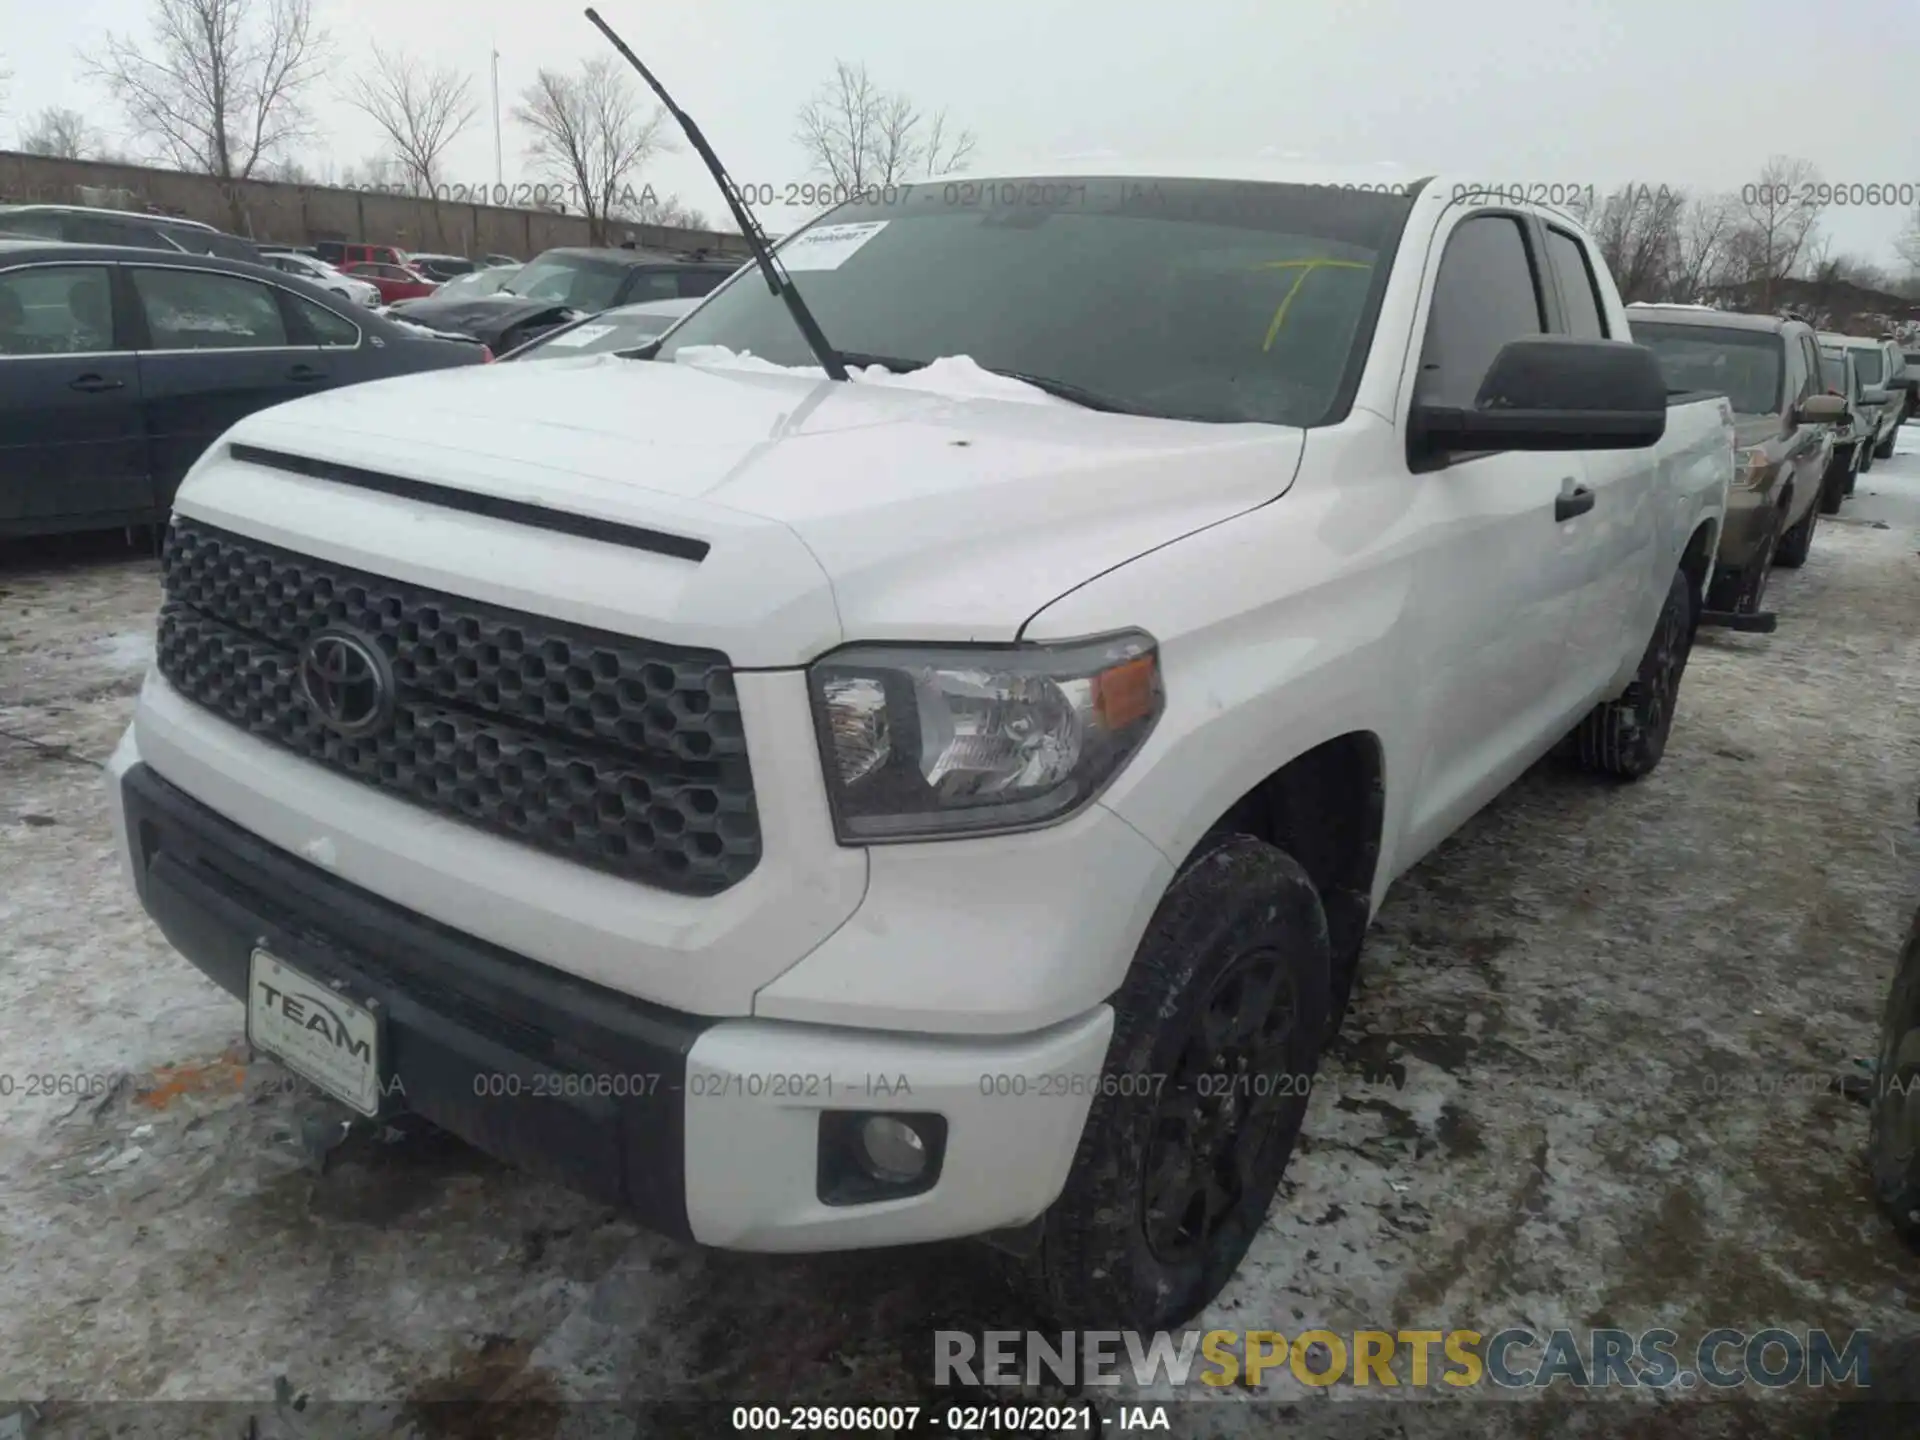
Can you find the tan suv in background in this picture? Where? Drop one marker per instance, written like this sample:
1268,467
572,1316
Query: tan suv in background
1769,369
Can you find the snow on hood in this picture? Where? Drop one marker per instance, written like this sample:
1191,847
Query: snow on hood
954,375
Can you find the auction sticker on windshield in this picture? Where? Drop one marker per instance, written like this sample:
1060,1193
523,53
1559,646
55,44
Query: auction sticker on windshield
826,247
314,1031
581,336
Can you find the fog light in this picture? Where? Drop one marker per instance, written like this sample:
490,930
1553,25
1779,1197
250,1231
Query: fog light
892,1150
869,1156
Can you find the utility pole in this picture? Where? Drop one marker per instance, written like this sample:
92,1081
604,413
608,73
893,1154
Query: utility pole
499,171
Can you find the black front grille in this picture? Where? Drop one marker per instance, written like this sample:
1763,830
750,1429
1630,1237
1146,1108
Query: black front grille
618,753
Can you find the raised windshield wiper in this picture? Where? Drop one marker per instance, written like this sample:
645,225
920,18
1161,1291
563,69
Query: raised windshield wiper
778,280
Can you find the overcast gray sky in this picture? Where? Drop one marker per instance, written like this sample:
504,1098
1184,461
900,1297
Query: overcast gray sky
1690,92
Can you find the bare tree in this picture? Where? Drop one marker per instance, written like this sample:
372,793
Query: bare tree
62,133
590,135
1700,248
421,111
220,86
1637,229
1780,213
859,134
1908,245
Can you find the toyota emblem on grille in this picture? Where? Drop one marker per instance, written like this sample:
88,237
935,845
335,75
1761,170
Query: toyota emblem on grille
346,681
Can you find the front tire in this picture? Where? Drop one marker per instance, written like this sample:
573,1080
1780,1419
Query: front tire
1216,1039
1893,1142
1625,738
1868,450
1884,450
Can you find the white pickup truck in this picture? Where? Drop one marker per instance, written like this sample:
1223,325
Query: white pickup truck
816,814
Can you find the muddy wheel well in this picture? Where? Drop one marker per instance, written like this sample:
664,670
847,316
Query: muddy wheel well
1325,809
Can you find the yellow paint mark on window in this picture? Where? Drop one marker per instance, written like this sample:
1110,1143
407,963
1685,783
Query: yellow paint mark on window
1306,268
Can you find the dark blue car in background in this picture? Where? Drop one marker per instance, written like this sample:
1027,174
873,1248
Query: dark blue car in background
119,366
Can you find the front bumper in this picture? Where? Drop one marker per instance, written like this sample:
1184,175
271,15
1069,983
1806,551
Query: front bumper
703,1129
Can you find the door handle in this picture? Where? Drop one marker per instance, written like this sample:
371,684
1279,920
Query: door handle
91,384
304,373
1570,503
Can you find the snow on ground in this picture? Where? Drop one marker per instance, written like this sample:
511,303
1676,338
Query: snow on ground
1584,1082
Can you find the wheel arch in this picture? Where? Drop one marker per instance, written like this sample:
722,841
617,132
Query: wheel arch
1326,807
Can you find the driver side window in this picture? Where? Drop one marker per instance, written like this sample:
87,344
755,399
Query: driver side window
1486,294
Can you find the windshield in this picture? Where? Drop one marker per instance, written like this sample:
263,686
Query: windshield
1202,300
1743,365
616,330
1833,373
479,282
1869,362
571,280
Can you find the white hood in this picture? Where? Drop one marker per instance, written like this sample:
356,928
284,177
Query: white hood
932,516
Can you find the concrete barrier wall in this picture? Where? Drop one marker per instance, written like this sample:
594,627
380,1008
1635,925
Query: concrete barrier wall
301,214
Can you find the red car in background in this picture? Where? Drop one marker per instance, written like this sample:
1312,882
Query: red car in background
394,282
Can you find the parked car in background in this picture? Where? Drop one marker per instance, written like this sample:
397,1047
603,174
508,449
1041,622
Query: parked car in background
440,267
394,282
1769,370
308,267
624,328
496,260
1063,711
1877,402
87,225
476,283
341,254
118,366
559,286
1852,437
1900,382
593,280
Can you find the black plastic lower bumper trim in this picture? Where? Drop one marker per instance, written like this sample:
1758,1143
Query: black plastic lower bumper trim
545,1071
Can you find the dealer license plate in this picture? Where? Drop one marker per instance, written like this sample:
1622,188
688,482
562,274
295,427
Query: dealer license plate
314,1031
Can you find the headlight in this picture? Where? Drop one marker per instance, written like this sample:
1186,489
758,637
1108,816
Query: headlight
1752,468
923,742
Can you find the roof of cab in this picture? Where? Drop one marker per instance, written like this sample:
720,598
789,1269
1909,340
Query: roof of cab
1715,319
27,248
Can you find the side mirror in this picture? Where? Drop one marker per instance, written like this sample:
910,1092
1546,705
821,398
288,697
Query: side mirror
1822,410
1875,395
1554,393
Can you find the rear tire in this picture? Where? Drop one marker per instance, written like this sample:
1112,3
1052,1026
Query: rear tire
1797,543
1866,457
1219,1025
1625,738
1884,450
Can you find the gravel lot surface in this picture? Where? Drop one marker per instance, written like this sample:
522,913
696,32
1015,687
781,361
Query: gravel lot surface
1586,1082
